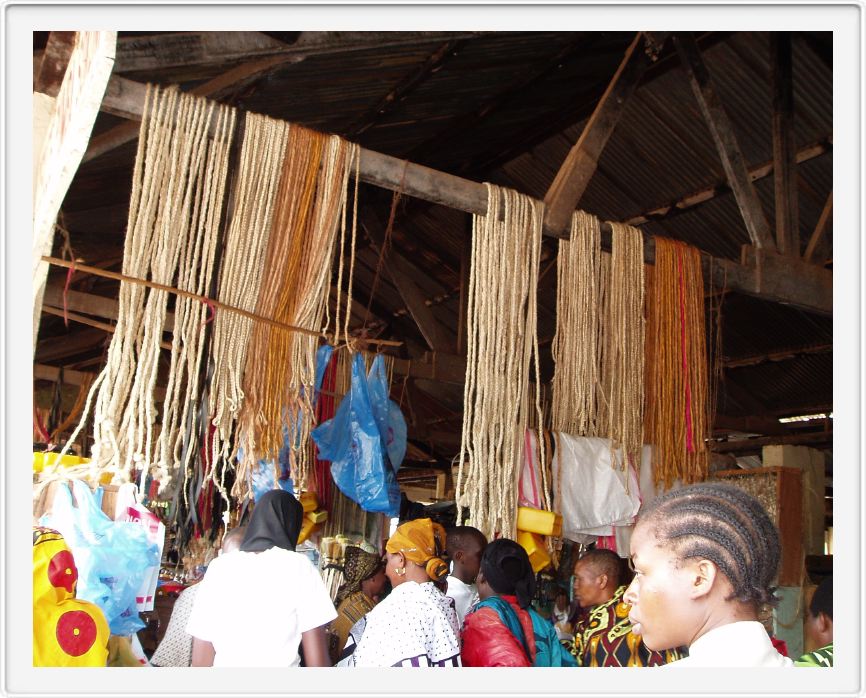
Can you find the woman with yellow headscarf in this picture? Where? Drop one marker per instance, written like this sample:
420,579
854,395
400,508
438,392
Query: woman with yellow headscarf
416,624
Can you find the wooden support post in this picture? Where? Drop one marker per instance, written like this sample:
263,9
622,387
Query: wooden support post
65,140
785,170
573,177
725,139
818,233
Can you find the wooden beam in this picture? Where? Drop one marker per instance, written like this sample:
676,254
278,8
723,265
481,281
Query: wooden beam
90,303
776,356
722,131
466,195
815,439
44,372
784,172
231,80
403,88
750,425
52,66
576,171
756,172
403,273
58,348
203,50
781,278
818,233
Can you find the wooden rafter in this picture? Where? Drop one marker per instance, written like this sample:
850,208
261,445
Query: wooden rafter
234,79
784,170
701,196
576,171
403,88
53,62
814,439
820,228
750,425
403,273
776,356
724,137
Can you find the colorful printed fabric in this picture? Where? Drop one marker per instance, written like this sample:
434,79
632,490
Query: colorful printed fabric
535,637
603,637
351,610
820,657
66,631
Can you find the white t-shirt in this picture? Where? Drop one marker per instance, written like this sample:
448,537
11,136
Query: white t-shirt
253,607
741,644
465,596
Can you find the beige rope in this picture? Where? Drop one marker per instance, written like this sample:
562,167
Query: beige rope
502,338
576,350
621,410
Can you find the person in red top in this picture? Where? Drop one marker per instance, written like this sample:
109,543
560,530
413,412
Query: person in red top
504,630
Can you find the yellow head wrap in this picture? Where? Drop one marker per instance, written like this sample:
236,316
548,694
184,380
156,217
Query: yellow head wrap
423,542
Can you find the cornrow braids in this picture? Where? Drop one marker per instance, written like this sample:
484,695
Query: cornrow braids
726,525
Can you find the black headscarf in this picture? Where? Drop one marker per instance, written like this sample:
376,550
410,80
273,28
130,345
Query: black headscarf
275,523
506,568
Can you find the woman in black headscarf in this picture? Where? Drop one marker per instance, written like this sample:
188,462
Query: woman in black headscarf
504,630
257,606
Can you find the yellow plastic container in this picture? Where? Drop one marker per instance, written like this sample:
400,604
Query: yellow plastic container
534,546
317,516
308,501
307,529
545,523
42,460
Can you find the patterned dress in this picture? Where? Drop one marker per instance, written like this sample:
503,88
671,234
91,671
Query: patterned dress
820,657
603,637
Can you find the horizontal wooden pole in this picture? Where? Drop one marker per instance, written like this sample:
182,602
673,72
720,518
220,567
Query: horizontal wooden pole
745,445
126,98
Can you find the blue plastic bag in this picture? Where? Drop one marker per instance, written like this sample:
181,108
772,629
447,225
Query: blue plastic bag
389,418
352,442
112,557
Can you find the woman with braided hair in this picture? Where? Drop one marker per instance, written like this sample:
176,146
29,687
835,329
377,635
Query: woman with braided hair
416,624
504,630
705,557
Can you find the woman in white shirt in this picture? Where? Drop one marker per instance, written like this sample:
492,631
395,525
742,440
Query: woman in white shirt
257,606
705,557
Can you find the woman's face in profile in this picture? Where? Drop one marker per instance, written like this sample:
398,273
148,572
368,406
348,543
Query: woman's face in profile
658,594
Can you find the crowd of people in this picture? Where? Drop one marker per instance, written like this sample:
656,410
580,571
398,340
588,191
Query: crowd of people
704,558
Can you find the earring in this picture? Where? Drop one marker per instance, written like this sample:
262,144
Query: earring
399,571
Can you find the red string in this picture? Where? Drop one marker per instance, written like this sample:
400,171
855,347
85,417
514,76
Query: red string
43,432
690,447
69,274
211,311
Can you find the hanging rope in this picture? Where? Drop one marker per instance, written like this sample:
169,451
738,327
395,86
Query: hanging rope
280,367
261,162
502,338
622,342
677,408
175,189
576,349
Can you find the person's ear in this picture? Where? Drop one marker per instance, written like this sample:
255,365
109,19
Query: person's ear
702,574
602,581
824,623
458,556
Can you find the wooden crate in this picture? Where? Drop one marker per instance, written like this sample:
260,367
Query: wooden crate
780,490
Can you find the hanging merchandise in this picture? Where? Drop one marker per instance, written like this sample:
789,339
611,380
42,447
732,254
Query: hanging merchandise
178,188
677,404
67,631
576,345
309,209
354,445
113,557
621,406
386,412
501,341
593,492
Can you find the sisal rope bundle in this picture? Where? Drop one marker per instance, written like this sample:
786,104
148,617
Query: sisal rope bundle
280,369
677,405
261,161
175,189
576,348
502,338
622,341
